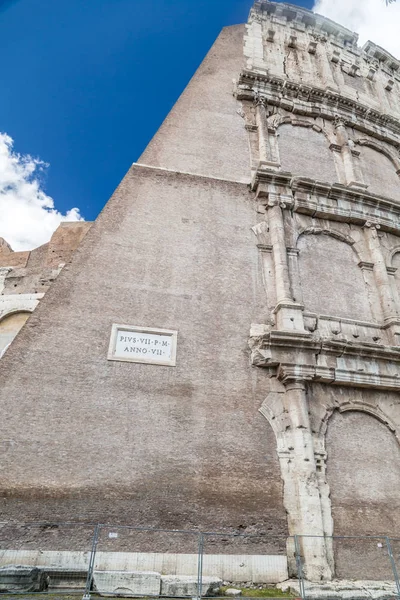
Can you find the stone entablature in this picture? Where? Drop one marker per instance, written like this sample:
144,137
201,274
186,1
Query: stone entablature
300,19
315,102
334,202
293,44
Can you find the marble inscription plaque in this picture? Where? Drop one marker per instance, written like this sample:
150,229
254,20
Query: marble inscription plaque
143,345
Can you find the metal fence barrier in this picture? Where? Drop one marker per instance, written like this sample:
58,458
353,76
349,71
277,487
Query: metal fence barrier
30,557
121,561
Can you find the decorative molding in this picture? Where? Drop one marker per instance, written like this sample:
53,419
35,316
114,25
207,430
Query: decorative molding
337,361
366,266
335,202
311,101
394,158
301,19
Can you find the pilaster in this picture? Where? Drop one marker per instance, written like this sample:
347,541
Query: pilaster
351,170
382,281
268,150
289,315
301,489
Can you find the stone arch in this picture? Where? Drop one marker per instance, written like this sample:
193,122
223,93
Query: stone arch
394,159
393,266
347,239
343,461
304,148
337,258
380,168
391,254
363,475
11,322
274,122
357,405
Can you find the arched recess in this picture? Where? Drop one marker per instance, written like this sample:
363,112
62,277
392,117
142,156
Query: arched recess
380,168
363,474
10,325
304,150
332,281
394,263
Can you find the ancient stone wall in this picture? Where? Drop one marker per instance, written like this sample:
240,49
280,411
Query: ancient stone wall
323,120
262,228
173,447
26,276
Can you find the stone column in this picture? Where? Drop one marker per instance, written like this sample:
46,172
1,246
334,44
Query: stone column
261,122
382,281
267,145
301,490
289,314
293,258
277,232
352,173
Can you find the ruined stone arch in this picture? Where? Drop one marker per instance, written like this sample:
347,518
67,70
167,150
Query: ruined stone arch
347,239
363,476
11,322
394,159
392,253
276,120
359,406
338,260
304,148
15,311
274,411
379,168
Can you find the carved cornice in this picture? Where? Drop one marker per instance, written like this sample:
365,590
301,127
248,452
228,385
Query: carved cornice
330,201
382,57
311,101
301,19
302,356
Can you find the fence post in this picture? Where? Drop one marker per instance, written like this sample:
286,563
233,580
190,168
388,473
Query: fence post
394,567
200,566
89,578
299,567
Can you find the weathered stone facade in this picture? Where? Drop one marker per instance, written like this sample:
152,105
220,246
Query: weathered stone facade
26,276
262,224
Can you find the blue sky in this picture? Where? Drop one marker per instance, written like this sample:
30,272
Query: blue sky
85,84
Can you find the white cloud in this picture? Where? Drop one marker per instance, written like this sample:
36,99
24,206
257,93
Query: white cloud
371,19
27,215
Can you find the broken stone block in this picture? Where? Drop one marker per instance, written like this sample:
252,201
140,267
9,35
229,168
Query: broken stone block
186,585
20,578
127,583
233,592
